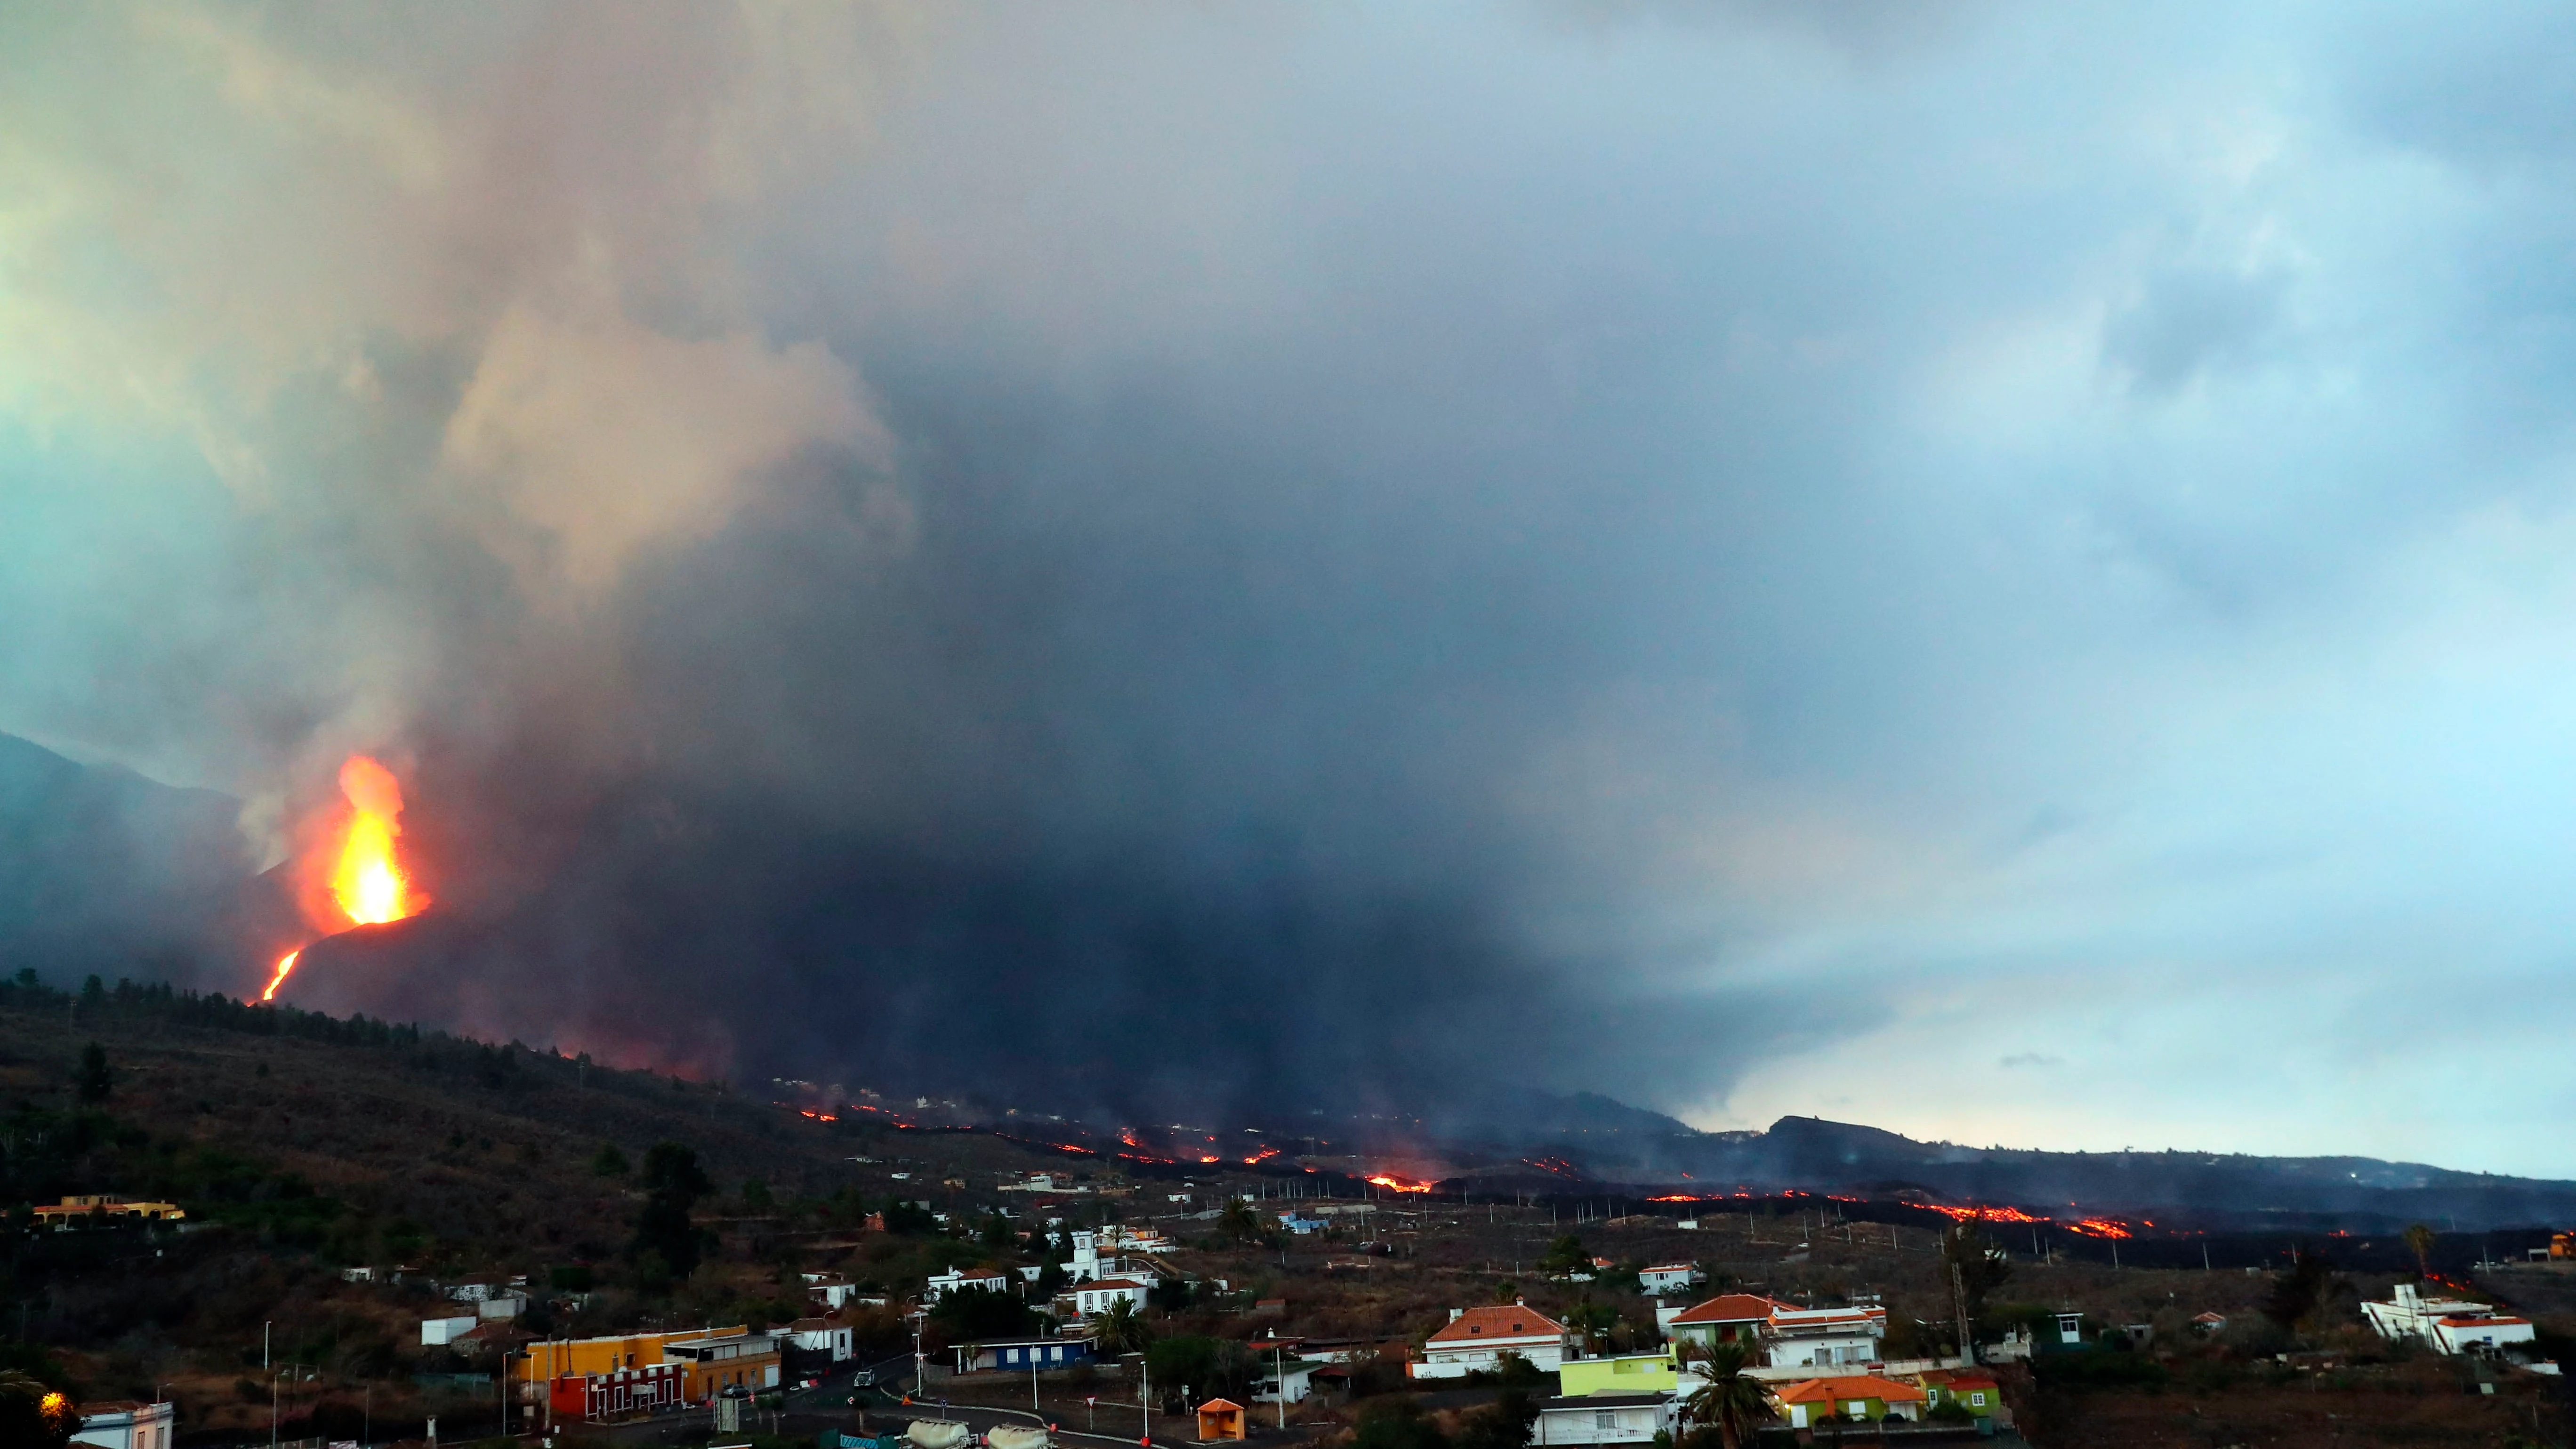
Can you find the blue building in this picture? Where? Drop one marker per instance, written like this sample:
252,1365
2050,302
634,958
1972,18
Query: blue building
1019,1355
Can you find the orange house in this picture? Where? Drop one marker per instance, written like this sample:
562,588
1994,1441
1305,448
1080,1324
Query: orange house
546,1360
1220,1419
746,1361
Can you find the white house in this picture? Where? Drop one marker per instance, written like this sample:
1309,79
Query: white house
1604,1418
125,1424
1097,1295
820,1335
1826,1337
830,1290
2448,1325
501,1305
1475,1339
1297,1372
1088,1260
435,1331
1665,1278
988,1278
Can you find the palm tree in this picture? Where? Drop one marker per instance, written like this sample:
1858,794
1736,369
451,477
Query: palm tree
33,1413
1729,1400
1239,1222
2420,1238
1120,1329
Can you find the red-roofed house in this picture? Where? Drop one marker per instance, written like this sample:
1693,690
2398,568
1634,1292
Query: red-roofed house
1970,1389
1853,1396
1727,1318
2451,1325
1475,1339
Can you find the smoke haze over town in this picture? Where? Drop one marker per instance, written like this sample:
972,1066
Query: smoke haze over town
1756,559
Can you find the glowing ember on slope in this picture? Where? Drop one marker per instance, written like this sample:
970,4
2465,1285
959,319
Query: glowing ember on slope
1393,1183
1982,1214
285,964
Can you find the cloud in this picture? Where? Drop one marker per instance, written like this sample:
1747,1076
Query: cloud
603,437
1511,544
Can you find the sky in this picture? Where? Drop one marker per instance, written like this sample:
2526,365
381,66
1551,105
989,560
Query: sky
2003,573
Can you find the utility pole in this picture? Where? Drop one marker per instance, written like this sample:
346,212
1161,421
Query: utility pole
1279,1372
1959,1298
272,1382
1145,1400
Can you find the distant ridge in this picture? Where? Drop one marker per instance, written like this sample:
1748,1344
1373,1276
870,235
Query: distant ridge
102,870
1610,1143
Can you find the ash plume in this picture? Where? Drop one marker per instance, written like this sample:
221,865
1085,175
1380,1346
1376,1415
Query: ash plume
1747,557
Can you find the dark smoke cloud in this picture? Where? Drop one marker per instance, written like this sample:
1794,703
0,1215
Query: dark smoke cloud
1748,556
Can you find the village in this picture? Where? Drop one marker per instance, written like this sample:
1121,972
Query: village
318,1241
1095,1308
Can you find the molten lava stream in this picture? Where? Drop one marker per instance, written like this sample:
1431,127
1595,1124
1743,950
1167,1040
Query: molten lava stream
285,964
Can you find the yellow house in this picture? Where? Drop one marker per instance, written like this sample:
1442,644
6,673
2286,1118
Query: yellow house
550,1359
1635,1373
77,1209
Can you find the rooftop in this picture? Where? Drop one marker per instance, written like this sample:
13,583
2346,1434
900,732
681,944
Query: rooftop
1844,1390
1501,1320
1731,1308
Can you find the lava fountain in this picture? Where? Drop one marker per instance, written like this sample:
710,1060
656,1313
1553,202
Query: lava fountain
367,884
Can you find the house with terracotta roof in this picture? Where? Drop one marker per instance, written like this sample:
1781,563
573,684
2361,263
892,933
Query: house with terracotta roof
127,1424
1474,1340
1852,1397
1100,1294
1727,1318
1971,1389
984,1276
2447,1325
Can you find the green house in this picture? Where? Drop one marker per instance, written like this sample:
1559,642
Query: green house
1634,1373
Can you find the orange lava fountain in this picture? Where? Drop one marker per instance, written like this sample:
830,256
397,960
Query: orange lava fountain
369,883
367,886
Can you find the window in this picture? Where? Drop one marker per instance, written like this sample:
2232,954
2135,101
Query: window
1978,1398
1605,1420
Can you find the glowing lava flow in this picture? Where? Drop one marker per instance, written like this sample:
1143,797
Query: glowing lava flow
1397,1184
285,964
